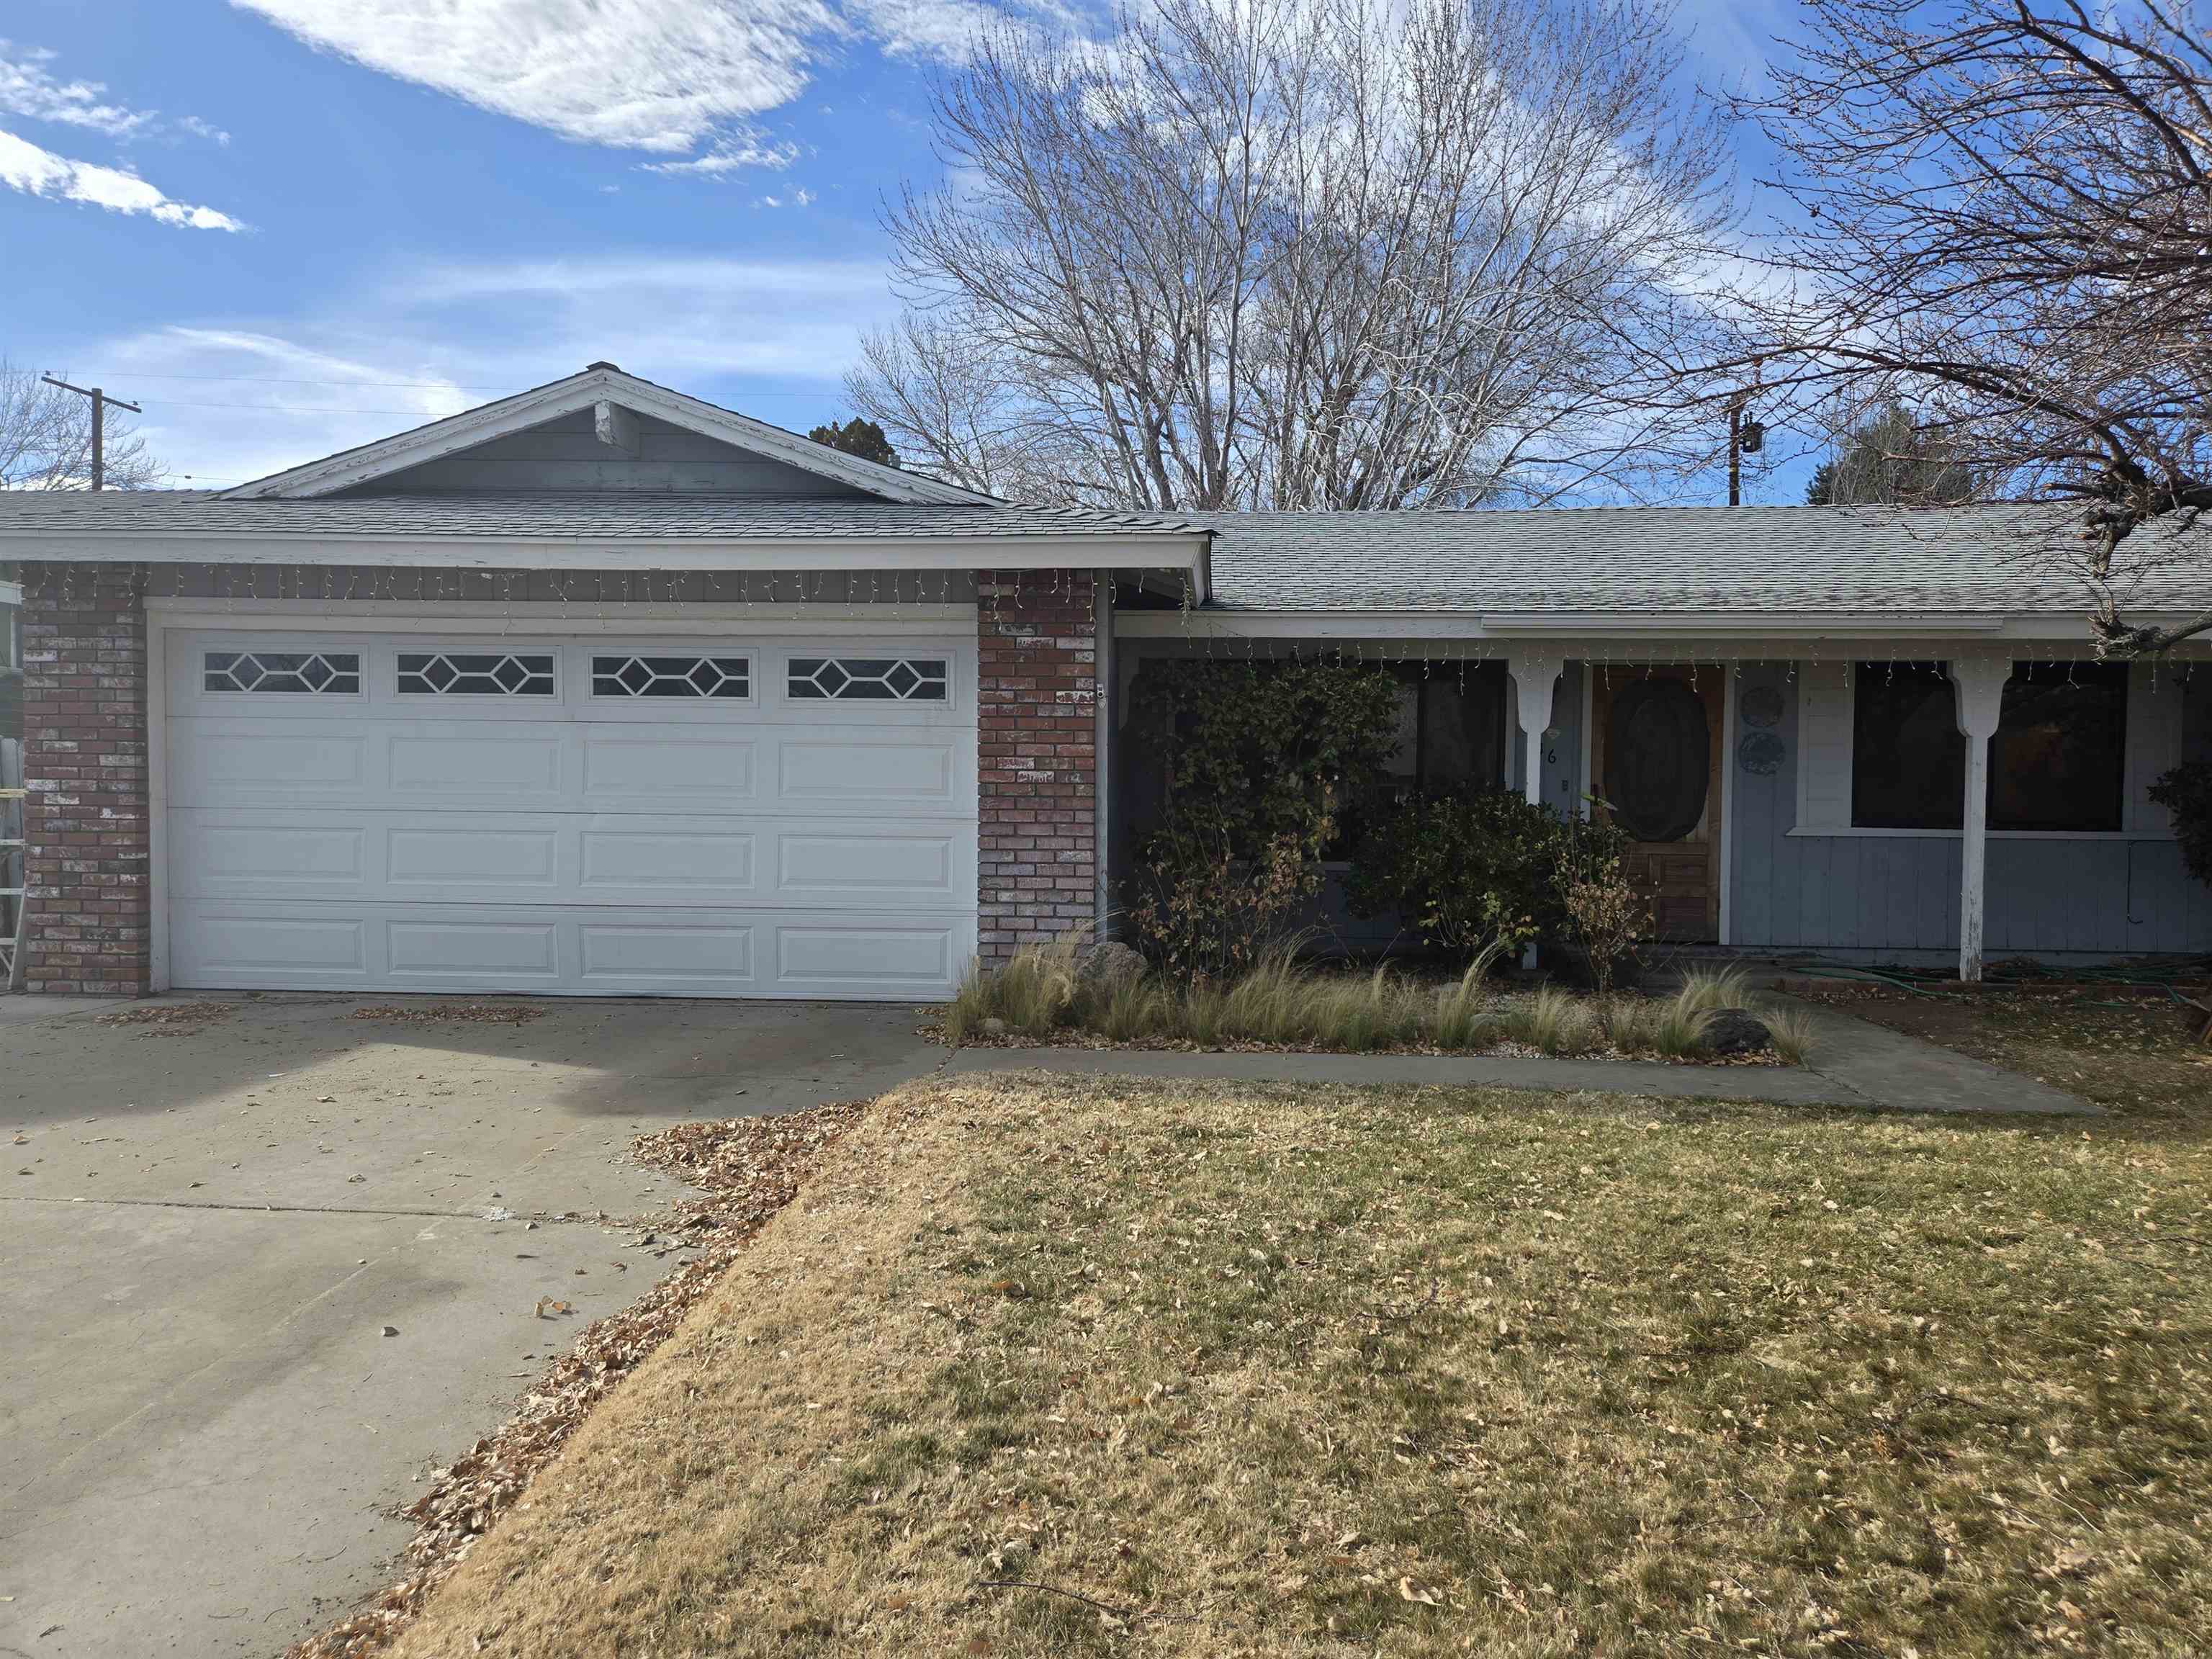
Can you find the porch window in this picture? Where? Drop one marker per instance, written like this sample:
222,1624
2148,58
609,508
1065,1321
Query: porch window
2056,763
1451,727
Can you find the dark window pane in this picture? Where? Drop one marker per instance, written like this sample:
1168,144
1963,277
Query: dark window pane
2058,760
1908,759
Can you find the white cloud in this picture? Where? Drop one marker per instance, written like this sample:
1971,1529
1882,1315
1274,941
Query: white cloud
25,167
651,75
666,77
28,89
730,155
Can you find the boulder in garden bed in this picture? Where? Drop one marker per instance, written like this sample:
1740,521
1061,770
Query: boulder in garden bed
1108,965
1737,1031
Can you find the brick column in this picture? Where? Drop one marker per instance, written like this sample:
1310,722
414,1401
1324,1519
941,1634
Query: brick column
1038,697
84,763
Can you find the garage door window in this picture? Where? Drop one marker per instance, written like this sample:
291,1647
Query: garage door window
728,678
475,674
867,679
328,673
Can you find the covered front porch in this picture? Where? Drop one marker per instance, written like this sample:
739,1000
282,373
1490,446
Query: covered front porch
1902,793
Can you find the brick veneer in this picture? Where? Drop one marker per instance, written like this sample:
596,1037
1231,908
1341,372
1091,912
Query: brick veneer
84,763
1037,701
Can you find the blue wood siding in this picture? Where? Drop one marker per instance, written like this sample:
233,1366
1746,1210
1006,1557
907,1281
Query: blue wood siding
1901,892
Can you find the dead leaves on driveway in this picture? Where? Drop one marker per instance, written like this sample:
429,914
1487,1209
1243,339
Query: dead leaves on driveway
750,1167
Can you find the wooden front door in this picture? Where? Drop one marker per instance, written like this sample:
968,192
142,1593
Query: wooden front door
1656,763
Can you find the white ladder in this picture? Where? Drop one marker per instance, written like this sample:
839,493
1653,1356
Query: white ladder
14,903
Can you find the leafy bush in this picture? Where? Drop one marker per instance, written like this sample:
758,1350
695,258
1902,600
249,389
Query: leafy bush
1476,868
2186,792
1259,763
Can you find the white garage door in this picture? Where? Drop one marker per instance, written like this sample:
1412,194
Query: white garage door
754,816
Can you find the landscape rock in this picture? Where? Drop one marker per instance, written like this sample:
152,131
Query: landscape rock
1107,965
992,1026
1737,1032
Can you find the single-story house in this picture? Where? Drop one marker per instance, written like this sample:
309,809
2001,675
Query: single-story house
600,688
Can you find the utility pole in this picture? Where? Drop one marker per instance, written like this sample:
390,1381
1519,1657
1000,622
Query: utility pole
99,403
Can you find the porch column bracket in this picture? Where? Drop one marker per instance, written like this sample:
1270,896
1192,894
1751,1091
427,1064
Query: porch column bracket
1979,682
1535,679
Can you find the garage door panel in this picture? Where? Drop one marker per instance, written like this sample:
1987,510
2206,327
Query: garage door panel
466,763
232,856
207,758
850,771
819,960
687,771
716,859
478,856
267,948
880,868
503,952
617,957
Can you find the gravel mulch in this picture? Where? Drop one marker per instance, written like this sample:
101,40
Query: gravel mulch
750,1167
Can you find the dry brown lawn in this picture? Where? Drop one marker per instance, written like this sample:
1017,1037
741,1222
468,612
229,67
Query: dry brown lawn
1048,1366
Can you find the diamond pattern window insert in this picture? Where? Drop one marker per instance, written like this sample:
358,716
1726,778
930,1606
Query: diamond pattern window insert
672,676
335,673
475,674
867,679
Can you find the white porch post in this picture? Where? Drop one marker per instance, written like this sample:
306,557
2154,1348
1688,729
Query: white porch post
1535,679
1979,682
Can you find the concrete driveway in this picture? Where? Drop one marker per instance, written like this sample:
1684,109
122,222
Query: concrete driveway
205,1229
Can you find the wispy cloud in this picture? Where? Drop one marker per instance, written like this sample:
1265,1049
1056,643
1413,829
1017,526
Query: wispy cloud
30,89
666,76
730,155
36,171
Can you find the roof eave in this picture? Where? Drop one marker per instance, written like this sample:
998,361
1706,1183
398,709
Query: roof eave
1181,550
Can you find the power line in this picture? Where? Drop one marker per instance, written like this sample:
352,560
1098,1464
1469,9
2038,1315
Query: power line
391,385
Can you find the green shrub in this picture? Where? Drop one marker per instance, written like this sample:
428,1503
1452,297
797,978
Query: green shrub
1476,868
1258,766
2186,792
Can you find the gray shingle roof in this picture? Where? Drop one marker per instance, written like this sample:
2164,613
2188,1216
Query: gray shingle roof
612,516
1633,560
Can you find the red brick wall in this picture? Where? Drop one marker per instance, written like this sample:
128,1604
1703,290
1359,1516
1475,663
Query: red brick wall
1038,704
84,763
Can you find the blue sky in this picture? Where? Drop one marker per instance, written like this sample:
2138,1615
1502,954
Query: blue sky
288,226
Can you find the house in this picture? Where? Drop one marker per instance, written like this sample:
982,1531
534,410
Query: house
600,688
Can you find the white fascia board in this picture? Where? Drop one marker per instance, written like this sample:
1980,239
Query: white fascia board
581,617
1761,630
1179,551
457,432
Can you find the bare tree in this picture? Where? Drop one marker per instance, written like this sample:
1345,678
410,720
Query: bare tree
2003,215
45,439
1304,253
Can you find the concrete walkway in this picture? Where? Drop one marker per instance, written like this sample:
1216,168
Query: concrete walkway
1852,1064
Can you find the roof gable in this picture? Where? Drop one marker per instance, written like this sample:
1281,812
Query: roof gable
613,402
